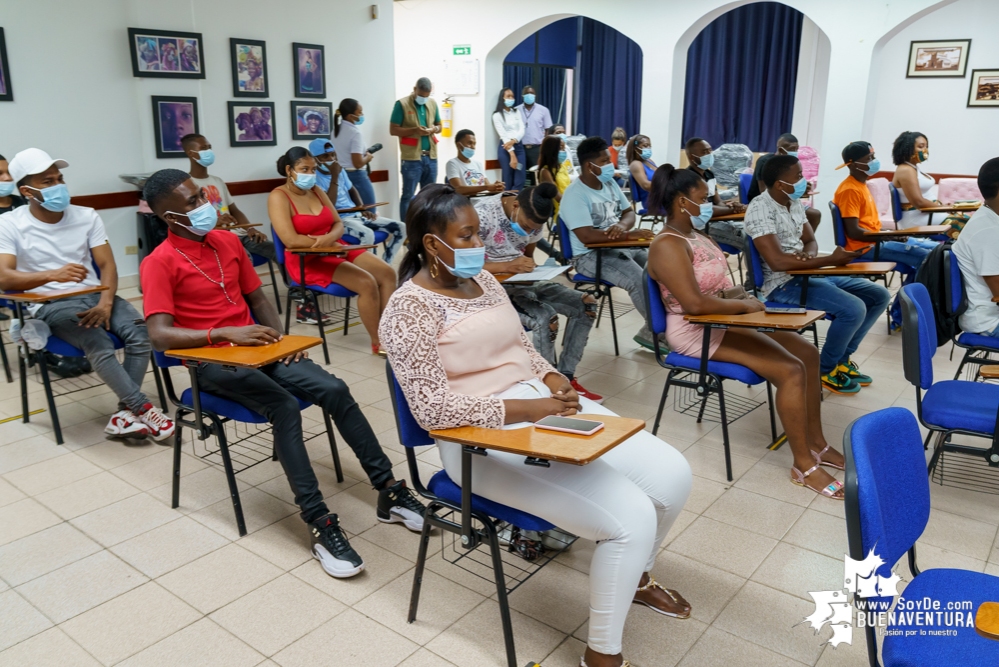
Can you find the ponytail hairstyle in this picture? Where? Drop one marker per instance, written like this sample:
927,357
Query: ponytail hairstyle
538,202
548,154
347,106
632,152
294,155
668,183
429,212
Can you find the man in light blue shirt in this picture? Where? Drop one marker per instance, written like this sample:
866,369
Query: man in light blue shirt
537,119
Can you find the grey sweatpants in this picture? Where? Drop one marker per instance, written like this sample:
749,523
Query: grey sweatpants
538,304
622,267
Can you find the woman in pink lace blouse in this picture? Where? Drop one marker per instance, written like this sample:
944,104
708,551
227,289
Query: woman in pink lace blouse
462,358
692,272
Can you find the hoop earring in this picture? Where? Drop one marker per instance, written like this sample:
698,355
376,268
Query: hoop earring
434,271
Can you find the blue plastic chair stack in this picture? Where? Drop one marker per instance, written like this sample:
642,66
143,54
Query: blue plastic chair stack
259,260
309,294
207,414
444,500
601,289
887,509
950,406
972,343
711,375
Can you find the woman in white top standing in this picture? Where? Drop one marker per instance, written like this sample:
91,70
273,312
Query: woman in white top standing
351,148
510,127
916,188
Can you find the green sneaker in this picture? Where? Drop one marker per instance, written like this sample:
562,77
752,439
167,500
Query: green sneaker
852,371
839,383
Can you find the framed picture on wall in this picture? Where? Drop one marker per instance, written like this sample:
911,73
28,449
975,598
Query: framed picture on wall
249,67
6,91
984,88
166,54
939,59
311,119
251,124
310,70
173,118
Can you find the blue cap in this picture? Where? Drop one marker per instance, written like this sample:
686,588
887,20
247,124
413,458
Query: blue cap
318,147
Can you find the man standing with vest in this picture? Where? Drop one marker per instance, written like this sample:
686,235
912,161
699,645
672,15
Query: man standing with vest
416,121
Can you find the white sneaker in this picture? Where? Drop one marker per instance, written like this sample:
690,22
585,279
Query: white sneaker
124,424
160,426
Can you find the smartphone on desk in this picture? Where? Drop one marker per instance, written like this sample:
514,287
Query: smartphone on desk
789,310
569,425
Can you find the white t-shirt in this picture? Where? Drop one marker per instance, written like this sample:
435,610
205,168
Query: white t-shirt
977,251
40,246
348,141
217,193
469,173
582,206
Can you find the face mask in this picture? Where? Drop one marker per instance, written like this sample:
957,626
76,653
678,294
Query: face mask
707,161
7,188
518,230
56,197
359,121
923,156
700,221
202,219
420,99
873,167
305,181
799,188
468,262
606,174
646,153
206,158
562,156
529,99
508,103
467,152
791,153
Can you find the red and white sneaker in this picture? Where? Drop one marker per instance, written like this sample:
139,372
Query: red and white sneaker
124,424
596,398
160,426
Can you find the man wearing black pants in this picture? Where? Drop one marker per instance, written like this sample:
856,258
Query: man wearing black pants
200,289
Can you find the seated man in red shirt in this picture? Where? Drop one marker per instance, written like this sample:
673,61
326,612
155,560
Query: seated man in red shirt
200,289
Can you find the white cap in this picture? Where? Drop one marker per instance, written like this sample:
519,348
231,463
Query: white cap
32,161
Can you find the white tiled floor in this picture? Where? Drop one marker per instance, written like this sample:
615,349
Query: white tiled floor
96,569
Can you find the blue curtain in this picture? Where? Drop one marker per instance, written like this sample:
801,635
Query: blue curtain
741,74
515,77
609,82
551,91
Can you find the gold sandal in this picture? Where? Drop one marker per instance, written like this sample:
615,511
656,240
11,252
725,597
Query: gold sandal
674,595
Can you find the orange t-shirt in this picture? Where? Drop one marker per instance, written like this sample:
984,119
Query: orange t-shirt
855,201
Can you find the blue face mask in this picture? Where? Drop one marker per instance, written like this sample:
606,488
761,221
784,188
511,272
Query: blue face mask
700,221
468,262
305,181
420,99
707,161
518,230
206,158
56,198
529,99
359,121
508,103
799,188
606,174
873,167
469,153
791,153
7,188
562,156
202,219
646,153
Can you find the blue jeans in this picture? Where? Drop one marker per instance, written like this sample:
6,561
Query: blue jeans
362,182
420,172
911,252
854,303
513,178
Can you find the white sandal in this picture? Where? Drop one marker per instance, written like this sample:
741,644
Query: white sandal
674,595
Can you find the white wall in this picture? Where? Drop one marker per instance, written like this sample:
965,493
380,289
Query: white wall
75,96
961,138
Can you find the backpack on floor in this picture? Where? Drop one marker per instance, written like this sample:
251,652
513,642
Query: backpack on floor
932,274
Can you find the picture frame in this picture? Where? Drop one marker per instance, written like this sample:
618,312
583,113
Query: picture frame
6,89
984,90
311,120
309,61
173,118
249,67
166,54
939,58
251,124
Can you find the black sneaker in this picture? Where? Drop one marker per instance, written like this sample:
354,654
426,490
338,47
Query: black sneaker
397,504
308,314
331,548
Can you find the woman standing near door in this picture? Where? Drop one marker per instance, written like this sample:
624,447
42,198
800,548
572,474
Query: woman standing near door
510,127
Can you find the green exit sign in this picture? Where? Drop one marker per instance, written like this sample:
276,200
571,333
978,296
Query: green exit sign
462,49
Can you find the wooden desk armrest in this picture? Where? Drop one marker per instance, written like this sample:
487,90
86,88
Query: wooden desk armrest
254,356
52,295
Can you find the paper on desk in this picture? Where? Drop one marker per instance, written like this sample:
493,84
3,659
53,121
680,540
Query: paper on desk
540,273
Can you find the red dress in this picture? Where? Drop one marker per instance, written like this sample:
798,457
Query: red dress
318,269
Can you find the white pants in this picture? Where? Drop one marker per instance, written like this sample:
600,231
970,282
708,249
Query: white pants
625,501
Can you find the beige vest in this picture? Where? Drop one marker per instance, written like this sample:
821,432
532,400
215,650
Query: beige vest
411,119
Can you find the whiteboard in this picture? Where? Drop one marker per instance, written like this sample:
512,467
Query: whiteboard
461,76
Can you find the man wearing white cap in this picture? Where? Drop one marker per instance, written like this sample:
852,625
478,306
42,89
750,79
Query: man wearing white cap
49,245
